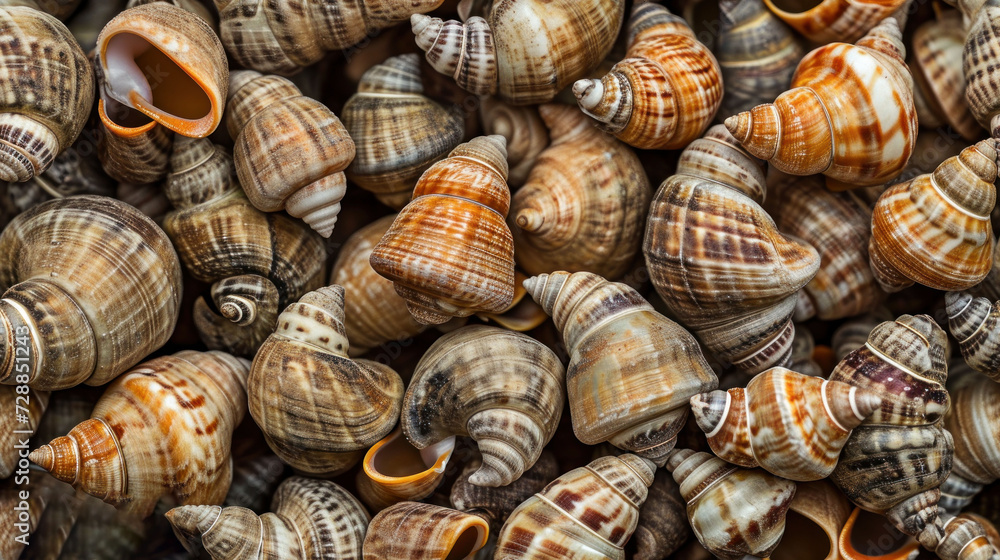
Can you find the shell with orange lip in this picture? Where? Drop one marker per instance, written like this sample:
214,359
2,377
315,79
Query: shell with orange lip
818,512
827,21
163,429
394,471
424,532
869,536
849,115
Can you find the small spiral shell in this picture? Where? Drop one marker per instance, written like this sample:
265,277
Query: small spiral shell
974,423
975,323
964,538
424,532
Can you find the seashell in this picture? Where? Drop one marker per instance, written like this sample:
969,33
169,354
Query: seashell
974,423
982,40
163,429
853,334
32,406
757,54
936,60
257,263
838,226
527,135
311,519
792,425
803,350
164,63
424,532
833,20
869,536
32,500
319,410
55,259
61,9
524,51
503,389
990,286
193,6
935,230
391,156
496,503
587,513
584,204
61,510
48,87
523,314
733,511
708,212
290,151
147,198
631,370
456,222
663,525
255,479
394,471
859,97
131,147
964,539
975,323
813,523
283,38
667,90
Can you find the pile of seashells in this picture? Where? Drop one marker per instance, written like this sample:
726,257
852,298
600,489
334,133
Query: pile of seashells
373,283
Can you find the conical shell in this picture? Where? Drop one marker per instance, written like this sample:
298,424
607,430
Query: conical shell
667,90
449,251
163,429
394,471
586,514
833,20
631,370
311,519
584,204
974,422
975,323
77,326
319,410
424,532
131,147
502,388
965,539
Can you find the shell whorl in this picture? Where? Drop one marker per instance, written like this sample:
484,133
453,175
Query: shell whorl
200,172
464,51
975,322
424,532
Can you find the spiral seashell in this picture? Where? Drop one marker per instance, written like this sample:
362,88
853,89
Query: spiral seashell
989,288
394,471
291,150
13,432
964,539
283,38
857,97
838,226
449,252
131,147
813,523
936,61
398,131
631,370
163,429
55,258
974,423
257,263
709,213
504,389
733,511
48,87
587,513
319,410
524,51
833,20
584,204
193,6
424,532
165,63
311,519
757,54
935,229
790,424
526,133
869,536
495,503
667,90
975,323
982,41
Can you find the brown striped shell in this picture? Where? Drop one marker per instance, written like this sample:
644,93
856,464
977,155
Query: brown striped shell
707,214
424,532
935,230
163,429
31,405
858,98
311,519
449,252
827,21
982,43
495,503
964,538
524,51
584,204
631,370
502,388
395,471
320,410
526,134
284,37
936,63
48,88
586,514
975,323
792,425
54,263
291,150
667,90
974,423
733,511
398,131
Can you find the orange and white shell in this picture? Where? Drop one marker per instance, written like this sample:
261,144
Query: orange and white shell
833,20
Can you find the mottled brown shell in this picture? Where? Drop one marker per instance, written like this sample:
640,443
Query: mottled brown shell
424,532
495,503
936,63
982,43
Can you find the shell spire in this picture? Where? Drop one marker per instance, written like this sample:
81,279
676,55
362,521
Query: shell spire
464,51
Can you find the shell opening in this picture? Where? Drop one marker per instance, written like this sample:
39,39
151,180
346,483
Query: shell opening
872,535
795,6
469,541
397,458
803,540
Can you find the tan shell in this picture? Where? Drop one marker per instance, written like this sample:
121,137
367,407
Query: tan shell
311,519
495,503
982,43
667,90
833,20
964,538
163,429
817,513
584,204
13,431
394,471
131,147
320,410
48,90
424,532
936,63
974,422
524,130
54,261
